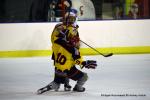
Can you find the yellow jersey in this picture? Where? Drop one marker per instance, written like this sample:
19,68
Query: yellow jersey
61,31
65,57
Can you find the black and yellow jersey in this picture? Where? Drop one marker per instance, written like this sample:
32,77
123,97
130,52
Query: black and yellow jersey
63,31
65,57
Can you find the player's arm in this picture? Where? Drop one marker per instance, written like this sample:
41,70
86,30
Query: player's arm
71,46
84,64
64,44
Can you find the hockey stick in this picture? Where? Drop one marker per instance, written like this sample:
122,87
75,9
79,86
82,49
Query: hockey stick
105,55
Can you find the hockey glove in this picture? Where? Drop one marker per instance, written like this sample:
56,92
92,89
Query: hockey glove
89,64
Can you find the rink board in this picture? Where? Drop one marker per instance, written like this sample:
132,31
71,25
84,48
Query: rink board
116,36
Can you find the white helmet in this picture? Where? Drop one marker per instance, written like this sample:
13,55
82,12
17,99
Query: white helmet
70,17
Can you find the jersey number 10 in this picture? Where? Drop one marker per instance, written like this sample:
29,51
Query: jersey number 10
61,59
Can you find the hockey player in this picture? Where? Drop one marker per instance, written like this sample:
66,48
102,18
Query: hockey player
66,55
59,32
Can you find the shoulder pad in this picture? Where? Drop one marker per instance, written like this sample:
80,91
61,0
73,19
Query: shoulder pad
59,27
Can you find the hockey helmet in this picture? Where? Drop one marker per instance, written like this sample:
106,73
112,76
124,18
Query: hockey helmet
70,17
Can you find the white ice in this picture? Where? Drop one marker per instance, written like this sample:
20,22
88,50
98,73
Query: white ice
120,77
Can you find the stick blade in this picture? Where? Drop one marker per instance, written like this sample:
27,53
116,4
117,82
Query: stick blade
108,55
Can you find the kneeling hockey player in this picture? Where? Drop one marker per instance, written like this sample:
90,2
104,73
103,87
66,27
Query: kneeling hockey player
66,55
61,29
59,32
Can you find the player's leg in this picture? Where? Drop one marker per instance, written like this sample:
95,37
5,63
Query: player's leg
67,86
78,76
52,86
61,77
80,82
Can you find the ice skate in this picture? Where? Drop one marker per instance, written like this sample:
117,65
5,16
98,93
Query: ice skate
44,89
78,89
67,87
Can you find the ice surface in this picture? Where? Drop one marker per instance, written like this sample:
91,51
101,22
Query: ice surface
120,77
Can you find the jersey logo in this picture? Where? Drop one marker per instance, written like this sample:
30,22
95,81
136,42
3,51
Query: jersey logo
77,62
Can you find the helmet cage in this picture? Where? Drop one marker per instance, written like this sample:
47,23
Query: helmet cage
69,18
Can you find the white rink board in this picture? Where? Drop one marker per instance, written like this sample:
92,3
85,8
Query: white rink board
36,36
120,33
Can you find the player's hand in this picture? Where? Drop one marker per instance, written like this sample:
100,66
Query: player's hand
89,64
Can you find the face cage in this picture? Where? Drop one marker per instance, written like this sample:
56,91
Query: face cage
70,20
